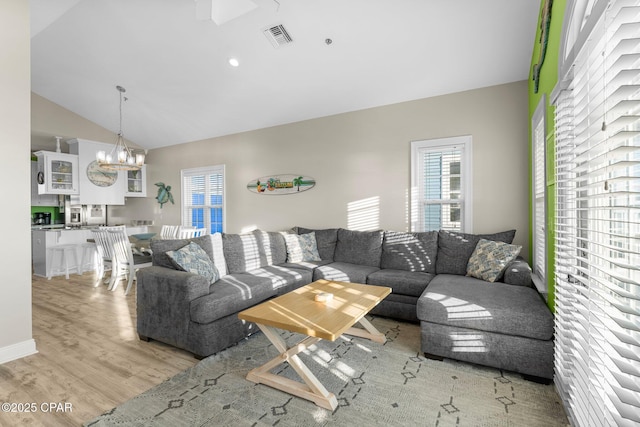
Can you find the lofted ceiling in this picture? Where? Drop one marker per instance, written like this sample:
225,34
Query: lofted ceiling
180,86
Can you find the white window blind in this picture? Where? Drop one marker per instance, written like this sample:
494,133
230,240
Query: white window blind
441,182
597,356
538,140
203,198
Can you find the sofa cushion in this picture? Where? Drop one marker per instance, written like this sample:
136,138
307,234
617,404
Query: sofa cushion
490,259
229,295
410,251
455,249
403,282
193,259
245,252
235,292
359,247
326,240
344,272
472,303
211,243
301,247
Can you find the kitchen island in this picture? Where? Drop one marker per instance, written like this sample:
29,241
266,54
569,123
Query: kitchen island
44,238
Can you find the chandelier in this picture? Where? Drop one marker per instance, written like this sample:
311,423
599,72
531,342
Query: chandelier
121,157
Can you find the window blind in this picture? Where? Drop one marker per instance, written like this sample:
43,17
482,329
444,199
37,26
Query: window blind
203,198
539,193
597,235
440,175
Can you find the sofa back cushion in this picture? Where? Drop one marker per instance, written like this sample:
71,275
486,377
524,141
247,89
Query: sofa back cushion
246,252
455,249
359,247
410,251
326,241
211,243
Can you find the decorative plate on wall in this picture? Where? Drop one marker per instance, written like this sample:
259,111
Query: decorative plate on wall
281,184
99,176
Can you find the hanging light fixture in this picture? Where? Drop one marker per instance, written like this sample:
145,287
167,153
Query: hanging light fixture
121,157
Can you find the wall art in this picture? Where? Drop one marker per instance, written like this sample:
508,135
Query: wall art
281,184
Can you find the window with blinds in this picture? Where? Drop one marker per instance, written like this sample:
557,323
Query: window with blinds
441,184
538,144
597,356
203,198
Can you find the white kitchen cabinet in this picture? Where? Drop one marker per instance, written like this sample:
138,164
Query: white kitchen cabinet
137,183
57,173
38,199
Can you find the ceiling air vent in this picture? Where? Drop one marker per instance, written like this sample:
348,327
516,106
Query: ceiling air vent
278,36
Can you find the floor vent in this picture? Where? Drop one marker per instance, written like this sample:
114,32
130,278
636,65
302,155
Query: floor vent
278,36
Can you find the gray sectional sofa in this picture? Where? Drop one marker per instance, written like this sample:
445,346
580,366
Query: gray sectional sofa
505,324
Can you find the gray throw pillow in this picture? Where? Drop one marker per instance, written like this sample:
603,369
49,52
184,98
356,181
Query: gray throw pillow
490,259
455,249
193,259
301,248
160,247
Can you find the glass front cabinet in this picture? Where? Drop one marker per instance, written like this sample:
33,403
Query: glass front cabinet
137,183
57,173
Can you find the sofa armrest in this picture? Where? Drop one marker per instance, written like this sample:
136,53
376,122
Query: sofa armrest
163,303
518,273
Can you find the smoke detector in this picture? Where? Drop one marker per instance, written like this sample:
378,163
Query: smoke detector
278,36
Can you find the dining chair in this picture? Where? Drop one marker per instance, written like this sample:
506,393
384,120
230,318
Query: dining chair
105,253
126,263
169,231
190,232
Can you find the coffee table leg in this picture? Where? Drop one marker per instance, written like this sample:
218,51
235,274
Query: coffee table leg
312,390
369,332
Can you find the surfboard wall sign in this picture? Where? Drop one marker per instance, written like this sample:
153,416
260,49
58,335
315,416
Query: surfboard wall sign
281,184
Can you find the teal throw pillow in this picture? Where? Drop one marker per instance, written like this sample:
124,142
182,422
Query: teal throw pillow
193,259
301,247
490,259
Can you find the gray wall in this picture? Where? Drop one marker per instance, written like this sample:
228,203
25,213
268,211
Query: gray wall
357,156
15,252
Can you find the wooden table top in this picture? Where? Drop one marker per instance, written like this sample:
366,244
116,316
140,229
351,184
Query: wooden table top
297,311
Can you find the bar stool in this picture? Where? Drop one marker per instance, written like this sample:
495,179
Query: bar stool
65,251
88,252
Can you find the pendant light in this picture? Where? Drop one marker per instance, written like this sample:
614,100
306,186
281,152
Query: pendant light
120,157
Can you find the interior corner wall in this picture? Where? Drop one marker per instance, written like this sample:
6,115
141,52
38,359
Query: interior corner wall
15,253
361,163
548,80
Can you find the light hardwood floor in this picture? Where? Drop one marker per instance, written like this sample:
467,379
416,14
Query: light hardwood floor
88,355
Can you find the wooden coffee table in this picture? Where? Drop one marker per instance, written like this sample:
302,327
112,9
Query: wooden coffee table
298,312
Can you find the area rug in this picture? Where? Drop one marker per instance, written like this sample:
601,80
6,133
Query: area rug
389,384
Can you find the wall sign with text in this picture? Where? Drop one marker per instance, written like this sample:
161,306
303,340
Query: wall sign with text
281,184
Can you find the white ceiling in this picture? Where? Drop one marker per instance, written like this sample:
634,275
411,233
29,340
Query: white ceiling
181,88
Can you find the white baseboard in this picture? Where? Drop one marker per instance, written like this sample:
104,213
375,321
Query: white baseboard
17,351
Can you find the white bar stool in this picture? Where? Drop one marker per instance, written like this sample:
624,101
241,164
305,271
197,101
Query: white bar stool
88,252
65,251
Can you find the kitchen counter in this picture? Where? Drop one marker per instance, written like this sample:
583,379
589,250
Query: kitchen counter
44,238
47,227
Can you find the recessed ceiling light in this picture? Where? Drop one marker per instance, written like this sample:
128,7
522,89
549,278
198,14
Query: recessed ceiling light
234,62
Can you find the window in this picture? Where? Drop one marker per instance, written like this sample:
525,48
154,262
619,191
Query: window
597,236
203,198
539,186
441,183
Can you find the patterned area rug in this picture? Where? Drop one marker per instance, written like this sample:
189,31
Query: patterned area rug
375,384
